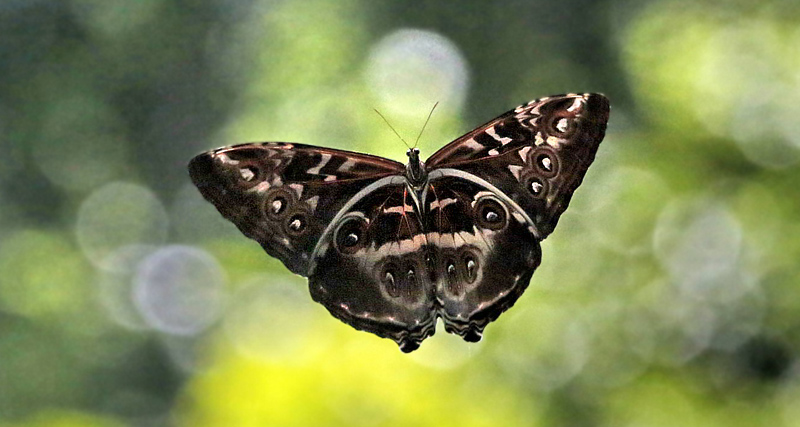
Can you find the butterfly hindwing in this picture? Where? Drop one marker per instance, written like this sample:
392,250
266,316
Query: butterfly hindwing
485,247
370,268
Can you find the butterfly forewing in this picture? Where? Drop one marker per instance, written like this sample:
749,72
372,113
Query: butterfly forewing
537,153
284,195
389,251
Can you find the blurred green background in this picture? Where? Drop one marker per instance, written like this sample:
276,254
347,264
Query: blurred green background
668,295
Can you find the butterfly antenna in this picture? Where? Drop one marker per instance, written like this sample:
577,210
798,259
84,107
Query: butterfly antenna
426,123
392,128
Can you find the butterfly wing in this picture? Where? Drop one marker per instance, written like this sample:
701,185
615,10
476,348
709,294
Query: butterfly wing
345,220
485,250
537,153
370,268
495,193
283,195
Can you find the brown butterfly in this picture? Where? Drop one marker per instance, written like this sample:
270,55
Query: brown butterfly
389,248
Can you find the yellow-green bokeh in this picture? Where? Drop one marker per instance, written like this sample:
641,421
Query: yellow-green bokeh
667,295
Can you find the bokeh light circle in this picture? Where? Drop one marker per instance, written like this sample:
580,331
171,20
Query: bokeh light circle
553,350
638,193
115,284
179,290
751,91
699,72
82,143
116,215
272,320
766,129
699,242
410,69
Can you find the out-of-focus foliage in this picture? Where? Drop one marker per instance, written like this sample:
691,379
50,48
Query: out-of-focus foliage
669,294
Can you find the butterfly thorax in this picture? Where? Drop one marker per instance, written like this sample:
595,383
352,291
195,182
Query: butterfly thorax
415,169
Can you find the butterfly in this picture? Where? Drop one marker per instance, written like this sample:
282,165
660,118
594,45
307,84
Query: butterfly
390,248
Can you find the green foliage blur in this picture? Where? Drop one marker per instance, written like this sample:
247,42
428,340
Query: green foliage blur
668,295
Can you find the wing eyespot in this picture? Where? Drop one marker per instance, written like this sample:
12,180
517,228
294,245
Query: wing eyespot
411,275
489,213
411,279
545,161
401,278
537,187
246,175
350,236
351,239
470,264
278,204
390,279
562,127
454,284
297,224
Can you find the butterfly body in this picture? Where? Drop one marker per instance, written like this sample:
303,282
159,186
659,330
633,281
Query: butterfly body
390,248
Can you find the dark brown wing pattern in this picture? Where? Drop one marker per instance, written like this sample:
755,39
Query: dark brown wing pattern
371,269
485,250
495,193
388,252
344,220
537,153
283,195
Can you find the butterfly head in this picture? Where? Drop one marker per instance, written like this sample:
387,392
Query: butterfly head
415,170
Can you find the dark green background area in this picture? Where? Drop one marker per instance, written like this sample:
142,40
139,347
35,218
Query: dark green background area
668,294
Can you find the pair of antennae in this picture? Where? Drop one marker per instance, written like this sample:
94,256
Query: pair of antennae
420,131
